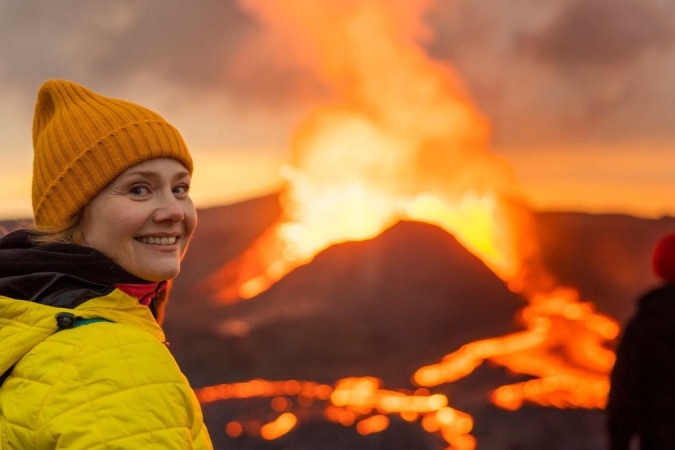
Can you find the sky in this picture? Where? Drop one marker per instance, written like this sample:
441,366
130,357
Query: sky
579,94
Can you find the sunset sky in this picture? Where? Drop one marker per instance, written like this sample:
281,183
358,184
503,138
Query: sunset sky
579,94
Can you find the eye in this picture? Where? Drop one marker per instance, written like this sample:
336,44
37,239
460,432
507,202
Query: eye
181,189
139,190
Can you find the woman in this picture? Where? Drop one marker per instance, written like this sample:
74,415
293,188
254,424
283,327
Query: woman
81,296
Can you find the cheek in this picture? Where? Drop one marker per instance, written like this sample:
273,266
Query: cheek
102,236
106,229
190,220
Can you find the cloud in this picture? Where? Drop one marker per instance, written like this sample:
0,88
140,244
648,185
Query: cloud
536,69
571,70
186,41
182,58
604,33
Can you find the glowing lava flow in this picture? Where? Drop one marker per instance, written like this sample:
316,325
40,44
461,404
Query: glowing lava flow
353,401
403,142
566,375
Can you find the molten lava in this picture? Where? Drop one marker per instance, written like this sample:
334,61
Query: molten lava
353,401
402,141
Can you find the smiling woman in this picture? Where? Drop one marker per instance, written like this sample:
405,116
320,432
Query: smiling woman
143,220
82,293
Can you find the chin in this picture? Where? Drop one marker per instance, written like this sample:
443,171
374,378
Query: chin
158,274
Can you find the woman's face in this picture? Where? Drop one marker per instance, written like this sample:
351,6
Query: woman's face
144,219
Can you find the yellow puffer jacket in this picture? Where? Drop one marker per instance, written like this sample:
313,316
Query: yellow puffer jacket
103,386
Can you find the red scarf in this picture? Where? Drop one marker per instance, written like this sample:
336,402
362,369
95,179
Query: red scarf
144,292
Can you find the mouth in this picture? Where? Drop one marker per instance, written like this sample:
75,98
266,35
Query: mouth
158,240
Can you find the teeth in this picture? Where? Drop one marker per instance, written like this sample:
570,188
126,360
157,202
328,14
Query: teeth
158,240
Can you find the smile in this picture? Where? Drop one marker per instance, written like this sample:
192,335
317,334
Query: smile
151,240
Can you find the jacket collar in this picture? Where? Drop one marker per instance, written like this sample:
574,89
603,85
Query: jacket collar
19,255
64,275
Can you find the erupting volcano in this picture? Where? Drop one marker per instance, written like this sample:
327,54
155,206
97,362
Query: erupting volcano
402,141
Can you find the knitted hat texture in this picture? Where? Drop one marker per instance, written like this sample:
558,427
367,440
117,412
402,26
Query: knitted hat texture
663,261
82,141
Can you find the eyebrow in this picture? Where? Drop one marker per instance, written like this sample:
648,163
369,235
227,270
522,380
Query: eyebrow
153,173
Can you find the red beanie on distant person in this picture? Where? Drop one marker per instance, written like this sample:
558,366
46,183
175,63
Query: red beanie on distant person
664,259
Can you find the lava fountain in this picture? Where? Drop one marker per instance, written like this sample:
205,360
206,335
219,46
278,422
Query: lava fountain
402,141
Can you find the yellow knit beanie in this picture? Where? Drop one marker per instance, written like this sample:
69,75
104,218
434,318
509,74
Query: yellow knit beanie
83,141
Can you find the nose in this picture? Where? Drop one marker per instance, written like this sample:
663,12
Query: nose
169,209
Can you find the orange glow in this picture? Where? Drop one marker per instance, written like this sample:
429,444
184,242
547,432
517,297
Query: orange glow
262,388
373,424
277,428
279,404
563,347
234,429
360,401
365,395
403,142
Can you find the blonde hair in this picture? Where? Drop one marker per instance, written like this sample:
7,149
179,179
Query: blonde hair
69,232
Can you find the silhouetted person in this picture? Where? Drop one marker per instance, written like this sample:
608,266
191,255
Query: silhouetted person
641,401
